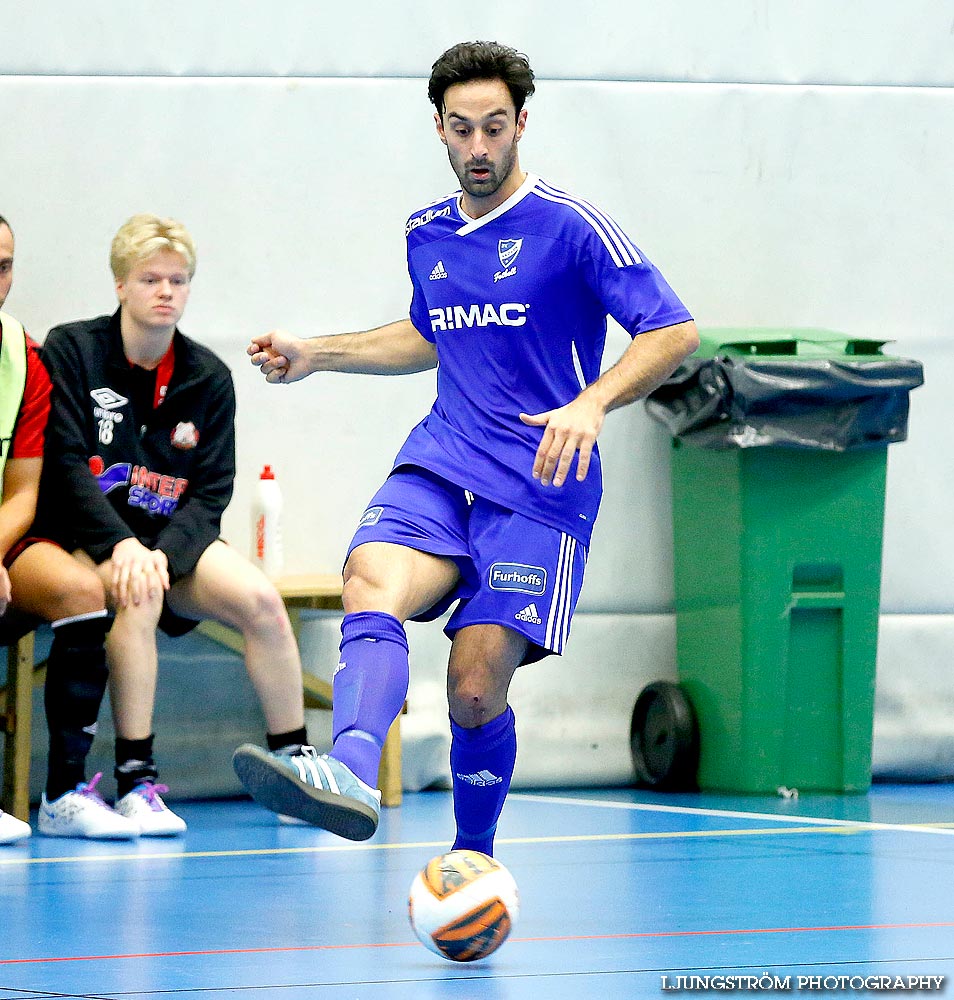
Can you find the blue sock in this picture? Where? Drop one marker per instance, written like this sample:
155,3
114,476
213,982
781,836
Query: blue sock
482,762
368,690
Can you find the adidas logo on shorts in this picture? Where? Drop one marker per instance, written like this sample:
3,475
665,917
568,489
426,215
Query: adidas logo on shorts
438,272
529,614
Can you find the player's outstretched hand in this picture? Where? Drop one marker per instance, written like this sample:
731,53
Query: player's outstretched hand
280,356
568,430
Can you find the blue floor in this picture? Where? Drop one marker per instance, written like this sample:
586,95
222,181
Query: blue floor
622,893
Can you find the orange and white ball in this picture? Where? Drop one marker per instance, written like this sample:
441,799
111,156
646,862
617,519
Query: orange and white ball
463,905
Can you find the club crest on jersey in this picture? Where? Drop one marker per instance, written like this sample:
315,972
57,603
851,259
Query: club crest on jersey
184,435
507,251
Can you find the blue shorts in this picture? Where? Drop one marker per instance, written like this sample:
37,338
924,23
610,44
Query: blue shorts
514,572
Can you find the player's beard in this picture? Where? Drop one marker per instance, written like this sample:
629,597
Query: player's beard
497,176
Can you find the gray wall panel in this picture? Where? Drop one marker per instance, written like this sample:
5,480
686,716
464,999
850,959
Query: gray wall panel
758,41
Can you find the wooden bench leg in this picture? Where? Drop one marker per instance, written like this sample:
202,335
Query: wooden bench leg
389,773
19,718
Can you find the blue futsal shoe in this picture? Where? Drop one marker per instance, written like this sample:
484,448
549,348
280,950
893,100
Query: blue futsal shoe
298,781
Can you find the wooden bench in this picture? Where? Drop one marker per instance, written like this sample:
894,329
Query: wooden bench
311,591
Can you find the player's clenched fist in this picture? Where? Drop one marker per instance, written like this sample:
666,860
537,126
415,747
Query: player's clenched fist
280,355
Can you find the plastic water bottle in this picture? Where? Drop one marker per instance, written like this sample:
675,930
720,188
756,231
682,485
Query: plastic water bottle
267,525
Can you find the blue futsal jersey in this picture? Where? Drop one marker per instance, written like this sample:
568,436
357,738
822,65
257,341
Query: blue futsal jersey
516,305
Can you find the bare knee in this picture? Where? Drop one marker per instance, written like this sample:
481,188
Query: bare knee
482,664
475,696
76,593
265,613
141,618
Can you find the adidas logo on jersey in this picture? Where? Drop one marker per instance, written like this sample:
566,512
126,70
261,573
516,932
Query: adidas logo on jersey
438,272
482,778
529,614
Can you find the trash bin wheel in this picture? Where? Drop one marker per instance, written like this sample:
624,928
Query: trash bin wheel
664,738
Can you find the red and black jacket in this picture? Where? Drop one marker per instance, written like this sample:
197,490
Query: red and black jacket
114,469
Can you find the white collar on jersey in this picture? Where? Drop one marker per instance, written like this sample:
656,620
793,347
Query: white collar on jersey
471,224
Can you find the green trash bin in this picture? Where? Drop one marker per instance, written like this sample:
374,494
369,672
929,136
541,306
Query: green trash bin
779,459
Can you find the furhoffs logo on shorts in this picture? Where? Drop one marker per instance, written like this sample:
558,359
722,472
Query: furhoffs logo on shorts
519,578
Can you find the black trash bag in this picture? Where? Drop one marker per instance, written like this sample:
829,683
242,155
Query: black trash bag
832,404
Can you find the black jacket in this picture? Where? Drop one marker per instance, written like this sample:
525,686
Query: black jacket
164,479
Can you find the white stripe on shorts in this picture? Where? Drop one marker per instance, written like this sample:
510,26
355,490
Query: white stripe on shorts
558,618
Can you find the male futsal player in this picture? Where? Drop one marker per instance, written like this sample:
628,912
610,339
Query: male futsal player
513,280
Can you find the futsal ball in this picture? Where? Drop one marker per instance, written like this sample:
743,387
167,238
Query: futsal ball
463,905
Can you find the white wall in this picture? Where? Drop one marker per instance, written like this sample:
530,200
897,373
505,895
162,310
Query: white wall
784,163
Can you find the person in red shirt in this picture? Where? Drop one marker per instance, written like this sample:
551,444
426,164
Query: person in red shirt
40,581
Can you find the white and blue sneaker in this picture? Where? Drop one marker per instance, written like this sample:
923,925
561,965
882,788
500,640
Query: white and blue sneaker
12,829
300,782
83,813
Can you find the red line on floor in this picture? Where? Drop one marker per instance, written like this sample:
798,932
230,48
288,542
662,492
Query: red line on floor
407,944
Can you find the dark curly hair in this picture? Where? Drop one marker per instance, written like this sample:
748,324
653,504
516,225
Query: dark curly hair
481,61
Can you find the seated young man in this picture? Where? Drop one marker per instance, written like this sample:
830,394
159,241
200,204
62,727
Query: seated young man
140,467
41,581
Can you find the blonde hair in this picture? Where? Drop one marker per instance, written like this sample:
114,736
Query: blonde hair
145,235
